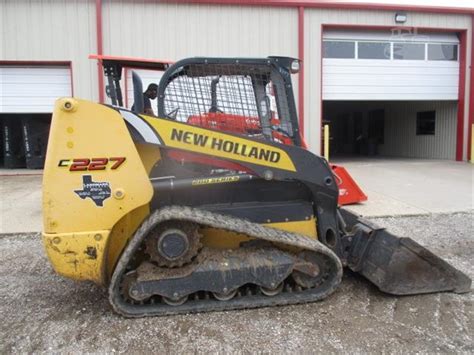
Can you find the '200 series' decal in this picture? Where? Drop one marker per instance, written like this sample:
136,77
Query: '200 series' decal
86,164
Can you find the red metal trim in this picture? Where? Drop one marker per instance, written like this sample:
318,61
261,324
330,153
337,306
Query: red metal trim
132,59
36,62
462,72
461,95
321,137
301,72
99,38
471,95
43,63
381,27
333,4
125,85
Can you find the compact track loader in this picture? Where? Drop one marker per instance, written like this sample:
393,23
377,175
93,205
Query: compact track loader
215,204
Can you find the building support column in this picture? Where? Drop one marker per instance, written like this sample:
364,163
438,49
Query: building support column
471,96
461,96
301,72
99,38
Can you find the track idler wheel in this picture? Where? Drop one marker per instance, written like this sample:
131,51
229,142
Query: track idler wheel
127,283
313,272
173,244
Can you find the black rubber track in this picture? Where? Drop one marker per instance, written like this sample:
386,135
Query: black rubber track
254,300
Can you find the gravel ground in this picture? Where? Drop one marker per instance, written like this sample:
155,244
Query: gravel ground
42,312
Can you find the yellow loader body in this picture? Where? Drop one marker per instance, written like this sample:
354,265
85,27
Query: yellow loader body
83,240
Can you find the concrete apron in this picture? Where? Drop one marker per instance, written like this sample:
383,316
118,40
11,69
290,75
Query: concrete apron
404,187
395,187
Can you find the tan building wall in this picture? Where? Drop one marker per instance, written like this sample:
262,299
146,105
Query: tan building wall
65,30
153,30
52,30
172,31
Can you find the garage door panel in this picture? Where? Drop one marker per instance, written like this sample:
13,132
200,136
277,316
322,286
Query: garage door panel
361,80
371,89
36,90
354,96
38,79
390,63
36,71
28,100
369,70
33,89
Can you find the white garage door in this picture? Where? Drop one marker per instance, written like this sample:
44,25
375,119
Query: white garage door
390,66
148,77
32,89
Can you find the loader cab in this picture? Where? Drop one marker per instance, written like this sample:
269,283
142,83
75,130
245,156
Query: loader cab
247,96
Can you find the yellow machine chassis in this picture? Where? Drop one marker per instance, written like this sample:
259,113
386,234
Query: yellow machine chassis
84,240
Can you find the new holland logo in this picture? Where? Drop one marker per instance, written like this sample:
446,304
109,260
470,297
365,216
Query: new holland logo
223,145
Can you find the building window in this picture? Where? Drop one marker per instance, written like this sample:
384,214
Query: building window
409,51
442,52
373,50
338,49
344,49
425,123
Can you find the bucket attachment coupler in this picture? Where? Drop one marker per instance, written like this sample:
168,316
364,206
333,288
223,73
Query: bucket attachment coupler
400,266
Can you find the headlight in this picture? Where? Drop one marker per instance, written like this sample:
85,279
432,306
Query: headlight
295,66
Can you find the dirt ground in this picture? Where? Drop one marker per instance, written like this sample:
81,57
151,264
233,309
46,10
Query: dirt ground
42,312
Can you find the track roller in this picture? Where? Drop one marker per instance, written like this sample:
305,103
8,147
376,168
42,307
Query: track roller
225,296
270,292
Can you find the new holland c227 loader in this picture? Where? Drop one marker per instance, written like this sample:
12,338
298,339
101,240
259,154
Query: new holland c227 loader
215,204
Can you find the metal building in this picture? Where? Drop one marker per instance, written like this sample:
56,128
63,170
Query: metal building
390,80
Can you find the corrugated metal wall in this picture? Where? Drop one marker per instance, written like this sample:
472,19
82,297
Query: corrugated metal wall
315,18
65,30
171,31
175,31
400,130
60,30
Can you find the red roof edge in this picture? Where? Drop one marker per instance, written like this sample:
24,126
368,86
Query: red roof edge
129,59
